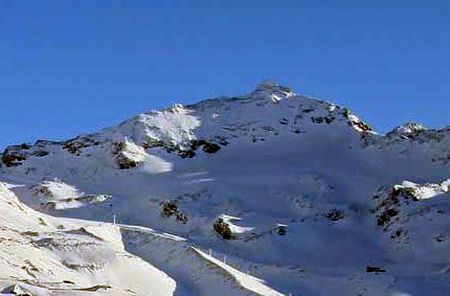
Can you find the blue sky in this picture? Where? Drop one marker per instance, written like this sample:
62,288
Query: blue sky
70,67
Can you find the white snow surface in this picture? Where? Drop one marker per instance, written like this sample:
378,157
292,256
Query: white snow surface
425,191
317,204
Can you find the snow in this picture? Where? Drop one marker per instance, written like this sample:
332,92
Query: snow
58,195
233,227
251,283
173,126
66,257
425,191
267,160
134,152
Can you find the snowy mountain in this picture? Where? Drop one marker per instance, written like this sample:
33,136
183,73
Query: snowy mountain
271,193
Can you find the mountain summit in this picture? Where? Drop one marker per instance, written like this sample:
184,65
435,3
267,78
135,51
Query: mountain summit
269,193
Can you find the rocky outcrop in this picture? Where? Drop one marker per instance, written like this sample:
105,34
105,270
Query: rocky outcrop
75,202
370,269
223,229
15,155
401,208
170,208
408,131
356,122
75,146
190,149
127,154
281,229
335,215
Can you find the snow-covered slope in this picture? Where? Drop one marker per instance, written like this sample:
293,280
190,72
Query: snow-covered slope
43,255
295,194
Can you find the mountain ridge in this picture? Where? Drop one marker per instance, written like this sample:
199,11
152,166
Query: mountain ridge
267,90
291,189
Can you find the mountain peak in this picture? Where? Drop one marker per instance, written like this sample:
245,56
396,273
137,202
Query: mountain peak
407,130
300,180
266,84
273,91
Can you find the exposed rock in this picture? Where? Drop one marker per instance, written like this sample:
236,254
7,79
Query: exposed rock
176,108
355,122
418,134
40,190
152,143
317,120
284,121
76,145
408,131
208,147
385,217
170,208
75,202
189,150
335,215
222,228
323,119
273,91
374,269
40,153
128,155
15,155
362,126
387,208
281,229
400,208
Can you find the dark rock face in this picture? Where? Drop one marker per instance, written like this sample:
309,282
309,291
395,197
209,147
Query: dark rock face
362,126
186,153
222,228
122,161
170,208
387,209
125,163
188,150
400,209
152,143
15,155
207,146
410,130
76,146
284,121
374,269
335,215
323,119
390,212
40,190
385,217
415,133
359,124
281,229
40,153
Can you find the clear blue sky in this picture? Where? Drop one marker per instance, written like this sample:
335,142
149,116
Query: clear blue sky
70,67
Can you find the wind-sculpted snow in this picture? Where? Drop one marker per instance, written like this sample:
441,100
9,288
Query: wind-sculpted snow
43,255
293,191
